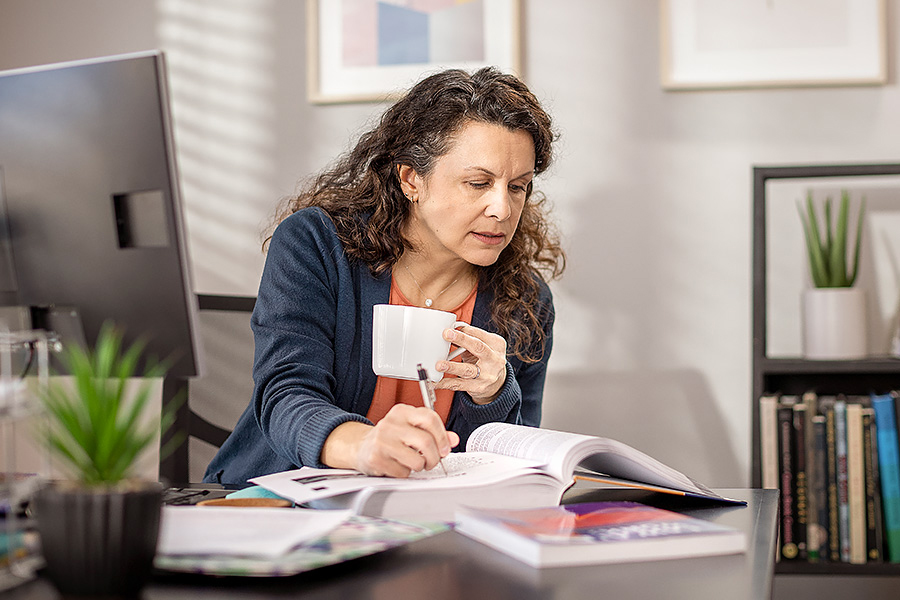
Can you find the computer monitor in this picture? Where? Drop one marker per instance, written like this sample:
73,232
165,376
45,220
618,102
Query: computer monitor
90,194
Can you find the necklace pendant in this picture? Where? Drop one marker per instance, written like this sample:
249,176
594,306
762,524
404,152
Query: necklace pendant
428,302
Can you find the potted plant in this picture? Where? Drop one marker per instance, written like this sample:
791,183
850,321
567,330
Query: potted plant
99,529
834,312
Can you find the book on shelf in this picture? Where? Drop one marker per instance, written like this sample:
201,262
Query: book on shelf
800,478
596,533
889,470
833,497
788,545
874,523
768,440
504,466
810,506
856,491
840,441
817,530
834,535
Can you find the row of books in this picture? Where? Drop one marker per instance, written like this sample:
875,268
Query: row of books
836,461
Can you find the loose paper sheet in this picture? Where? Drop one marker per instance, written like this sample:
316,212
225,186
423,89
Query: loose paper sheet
242,531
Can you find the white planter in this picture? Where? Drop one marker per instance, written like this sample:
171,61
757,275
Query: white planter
834,323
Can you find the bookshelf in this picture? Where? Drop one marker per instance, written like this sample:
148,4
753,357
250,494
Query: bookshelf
794,375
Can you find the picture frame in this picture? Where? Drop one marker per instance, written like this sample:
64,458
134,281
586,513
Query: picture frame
709,44
366,50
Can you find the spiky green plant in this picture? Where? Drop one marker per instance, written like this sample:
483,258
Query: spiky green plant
96,431
828,257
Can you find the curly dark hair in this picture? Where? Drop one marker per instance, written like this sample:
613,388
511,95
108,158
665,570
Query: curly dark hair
362,195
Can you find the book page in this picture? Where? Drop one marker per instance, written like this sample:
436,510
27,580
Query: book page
561,452
464,469
550,448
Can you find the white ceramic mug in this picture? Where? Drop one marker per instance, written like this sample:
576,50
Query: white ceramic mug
404,336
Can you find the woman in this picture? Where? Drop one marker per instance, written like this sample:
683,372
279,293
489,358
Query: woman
434,208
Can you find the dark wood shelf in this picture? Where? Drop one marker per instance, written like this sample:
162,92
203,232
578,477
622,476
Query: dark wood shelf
795,375
827,568
885,364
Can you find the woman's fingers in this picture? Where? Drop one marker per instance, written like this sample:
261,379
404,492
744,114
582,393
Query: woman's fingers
482,371
407,439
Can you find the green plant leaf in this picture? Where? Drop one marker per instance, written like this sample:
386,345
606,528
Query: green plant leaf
828,259
857,243
837,258
99,426
813,245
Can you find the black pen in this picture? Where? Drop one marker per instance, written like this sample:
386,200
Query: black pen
427,398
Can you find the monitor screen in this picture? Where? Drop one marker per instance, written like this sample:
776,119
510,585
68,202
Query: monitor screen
90,194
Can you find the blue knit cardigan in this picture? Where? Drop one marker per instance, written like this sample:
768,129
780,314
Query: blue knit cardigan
312,370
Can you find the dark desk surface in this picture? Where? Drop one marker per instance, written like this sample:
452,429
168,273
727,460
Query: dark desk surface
452,567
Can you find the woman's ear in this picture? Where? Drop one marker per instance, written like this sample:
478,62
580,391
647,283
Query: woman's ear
410,182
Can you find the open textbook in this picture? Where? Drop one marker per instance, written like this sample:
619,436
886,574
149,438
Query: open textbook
504,466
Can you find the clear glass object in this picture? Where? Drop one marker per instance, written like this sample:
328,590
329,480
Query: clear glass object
24,370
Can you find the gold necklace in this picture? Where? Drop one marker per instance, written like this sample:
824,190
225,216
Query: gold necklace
429,301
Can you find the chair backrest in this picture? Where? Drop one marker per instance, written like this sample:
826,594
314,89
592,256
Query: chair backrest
216,399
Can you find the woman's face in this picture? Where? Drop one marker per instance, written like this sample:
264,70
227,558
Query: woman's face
469,205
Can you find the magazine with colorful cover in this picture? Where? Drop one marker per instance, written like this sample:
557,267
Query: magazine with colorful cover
597,532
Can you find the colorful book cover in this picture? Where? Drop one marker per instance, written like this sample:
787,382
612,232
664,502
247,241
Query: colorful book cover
597,532
358,536
889,470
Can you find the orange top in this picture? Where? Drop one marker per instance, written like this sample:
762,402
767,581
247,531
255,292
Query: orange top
390,391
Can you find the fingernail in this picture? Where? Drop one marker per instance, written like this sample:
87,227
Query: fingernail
441,366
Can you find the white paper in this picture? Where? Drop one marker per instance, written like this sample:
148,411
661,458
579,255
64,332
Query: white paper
242,531
463,469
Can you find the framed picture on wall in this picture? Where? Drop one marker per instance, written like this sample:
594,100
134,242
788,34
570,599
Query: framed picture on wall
371,50
708,44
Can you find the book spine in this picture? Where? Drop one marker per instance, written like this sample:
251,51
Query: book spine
816,543
786,476
855,485
768,440
889,469
834,538
840,444
810,400
873,495
800,480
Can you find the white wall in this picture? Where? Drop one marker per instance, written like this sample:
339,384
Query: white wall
652,188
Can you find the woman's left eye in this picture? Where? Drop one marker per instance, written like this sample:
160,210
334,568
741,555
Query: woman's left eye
519,189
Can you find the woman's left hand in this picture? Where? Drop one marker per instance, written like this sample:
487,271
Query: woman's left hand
482,371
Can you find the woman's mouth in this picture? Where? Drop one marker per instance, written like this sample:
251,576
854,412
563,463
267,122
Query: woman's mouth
491,239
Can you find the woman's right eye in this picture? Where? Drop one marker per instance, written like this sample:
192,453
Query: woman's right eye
479,184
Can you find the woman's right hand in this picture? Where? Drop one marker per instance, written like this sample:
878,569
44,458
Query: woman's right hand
407,439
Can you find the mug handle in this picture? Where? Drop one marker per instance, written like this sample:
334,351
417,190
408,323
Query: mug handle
460,350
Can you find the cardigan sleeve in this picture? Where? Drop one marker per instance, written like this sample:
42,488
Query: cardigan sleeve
294,325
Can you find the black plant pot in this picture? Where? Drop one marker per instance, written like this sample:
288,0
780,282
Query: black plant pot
99,542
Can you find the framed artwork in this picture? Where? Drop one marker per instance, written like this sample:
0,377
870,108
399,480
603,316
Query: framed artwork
709,44
371,50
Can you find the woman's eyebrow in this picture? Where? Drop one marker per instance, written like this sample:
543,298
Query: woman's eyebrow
487,171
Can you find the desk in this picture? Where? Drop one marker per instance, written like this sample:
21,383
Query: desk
449,566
